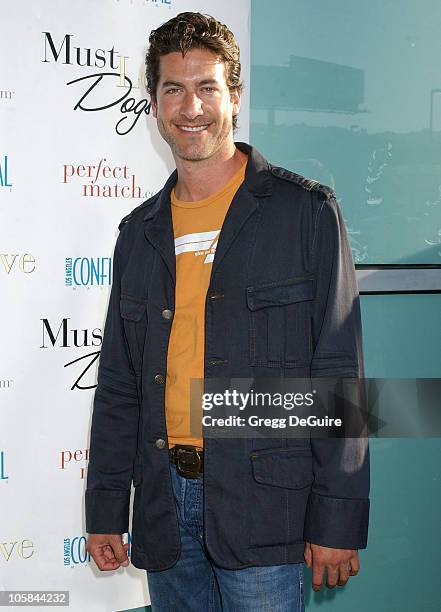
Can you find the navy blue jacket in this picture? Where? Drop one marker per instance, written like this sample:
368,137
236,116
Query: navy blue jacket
282,301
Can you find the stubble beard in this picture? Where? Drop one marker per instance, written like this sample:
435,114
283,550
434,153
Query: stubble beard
195,152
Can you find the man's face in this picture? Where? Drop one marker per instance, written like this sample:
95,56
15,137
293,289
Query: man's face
193,107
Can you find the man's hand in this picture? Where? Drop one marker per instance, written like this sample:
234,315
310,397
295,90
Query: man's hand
340,563
108,551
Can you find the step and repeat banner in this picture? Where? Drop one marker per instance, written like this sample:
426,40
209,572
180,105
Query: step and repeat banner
79,149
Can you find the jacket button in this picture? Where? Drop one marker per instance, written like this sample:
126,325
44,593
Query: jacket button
160,443
167,314
159,379
214,362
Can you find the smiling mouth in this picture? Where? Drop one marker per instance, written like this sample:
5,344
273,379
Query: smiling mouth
193,128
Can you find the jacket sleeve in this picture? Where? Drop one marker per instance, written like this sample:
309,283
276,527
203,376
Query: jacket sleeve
338,506
113,438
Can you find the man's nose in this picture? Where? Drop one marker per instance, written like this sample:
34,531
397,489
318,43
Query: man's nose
191,106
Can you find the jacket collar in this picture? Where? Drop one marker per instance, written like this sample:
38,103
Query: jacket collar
257,183
257,179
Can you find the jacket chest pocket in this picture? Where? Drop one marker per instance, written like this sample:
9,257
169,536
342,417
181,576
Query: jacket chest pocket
134,314
280,322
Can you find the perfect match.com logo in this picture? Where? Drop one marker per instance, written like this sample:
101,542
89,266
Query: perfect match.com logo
103,180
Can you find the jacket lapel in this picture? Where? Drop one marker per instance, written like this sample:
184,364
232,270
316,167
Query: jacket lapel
257,183
241,208
159,226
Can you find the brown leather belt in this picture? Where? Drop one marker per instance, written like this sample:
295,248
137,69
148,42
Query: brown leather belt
188,459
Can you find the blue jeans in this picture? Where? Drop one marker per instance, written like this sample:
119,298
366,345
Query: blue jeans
195,583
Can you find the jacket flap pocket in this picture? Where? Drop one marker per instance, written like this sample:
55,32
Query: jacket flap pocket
280,293
132,308
290,468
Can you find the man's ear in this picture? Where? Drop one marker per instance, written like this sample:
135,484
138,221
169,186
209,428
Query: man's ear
154,107
236,100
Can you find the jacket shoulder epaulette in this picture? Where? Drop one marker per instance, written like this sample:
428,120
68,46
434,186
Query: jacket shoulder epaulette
302,181
143,205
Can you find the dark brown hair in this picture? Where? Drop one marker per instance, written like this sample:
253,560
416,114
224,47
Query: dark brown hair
193,31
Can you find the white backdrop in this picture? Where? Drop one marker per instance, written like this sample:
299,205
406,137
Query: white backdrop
67,177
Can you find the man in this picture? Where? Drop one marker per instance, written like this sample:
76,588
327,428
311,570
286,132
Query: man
236,268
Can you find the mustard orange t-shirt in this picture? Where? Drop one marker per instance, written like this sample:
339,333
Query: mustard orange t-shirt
196,228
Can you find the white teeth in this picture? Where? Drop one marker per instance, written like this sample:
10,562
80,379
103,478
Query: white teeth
193,129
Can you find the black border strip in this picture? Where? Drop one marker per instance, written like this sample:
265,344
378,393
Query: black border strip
400,267
397,266
415,292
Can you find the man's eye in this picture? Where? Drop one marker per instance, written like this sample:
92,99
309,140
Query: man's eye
172,90
209,89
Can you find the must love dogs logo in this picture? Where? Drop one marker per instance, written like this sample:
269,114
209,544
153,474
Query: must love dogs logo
94,95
